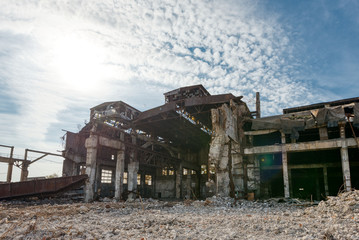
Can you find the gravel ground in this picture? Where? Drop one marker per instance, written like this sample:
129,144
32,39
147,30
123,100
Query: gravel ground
215,218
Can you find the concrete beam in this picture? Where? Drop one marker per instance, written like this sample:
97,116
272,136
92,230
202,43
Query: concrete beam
6,159
260,132
103,141
304,166
305,146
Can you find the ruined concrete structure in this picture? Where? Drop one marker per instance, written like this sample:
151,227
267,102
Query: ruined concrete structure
197,145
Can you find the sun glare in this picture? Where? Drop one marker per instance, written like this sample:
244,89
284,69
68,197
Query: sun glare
79,63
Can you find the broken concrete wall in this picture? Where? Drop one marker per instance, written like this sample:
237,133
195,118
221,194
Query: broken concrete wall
226,150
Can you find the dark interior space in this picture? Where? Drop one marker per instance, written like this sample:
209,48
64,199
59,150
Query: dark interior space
335,180
267,139
308,169
272,183
308,183
333,132
271,175
354,166
315,157
309,135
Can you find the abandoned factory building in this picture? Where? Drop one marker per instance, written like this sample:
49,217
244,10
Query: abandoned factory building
197,145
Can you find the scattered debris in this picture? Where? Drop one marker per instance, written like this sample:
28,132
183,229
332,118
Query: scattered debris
214,218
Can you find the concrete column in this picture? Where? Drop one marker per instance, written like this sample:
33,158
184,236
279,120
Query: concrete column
323,133
120,168
24,168
10,166
285,167
24,171
179,173
345,160
189,184
257,170
326,186
132,179
91,156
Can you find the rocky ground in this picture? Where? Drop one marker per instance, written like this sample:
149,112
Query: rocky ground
215,218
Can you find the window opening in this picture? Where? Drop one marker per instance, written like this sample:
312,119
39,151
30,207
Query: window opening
164,171
138,179
125,177
148,180
106,176
204,169
212,169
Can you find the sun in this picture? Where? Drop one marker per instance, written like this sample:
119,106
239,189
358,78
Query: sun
79,63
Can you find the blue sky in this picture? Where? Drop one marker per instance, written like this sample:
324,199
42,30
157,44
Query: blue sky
60,58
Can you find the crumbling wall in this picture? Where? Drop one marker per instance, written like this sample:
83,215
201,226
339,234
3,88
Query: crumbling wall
226,151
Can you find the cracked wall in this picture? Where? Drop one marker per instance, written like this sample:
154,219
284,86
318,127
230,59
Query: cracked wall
226,151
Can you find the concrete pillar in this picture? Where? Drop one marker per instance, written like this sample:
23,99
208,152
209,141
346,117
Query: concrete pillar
120,168
24,171
24,168
345,160
10,166
189,184
257,170
91,156
323,133
132,179
285,167
179,173
326,186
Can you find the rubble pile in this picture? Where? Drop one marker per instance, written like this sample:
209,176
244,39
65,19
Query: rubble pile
213,218
345,205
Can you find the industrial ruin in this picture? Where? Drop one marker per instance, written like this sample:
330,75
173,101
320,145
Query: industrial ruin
198,145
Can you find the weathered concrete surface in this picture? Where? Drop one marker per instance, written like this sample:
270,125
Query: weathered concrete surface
285,167
305,146
225,149
345,160
132,179
120,168
166,187
179,174
91,146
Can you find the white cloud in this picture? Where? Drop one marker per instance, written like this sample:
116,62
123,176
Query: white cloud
133,51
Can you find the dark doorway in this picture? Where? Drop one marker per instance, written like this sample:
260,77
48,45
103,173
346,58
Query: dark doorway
308,183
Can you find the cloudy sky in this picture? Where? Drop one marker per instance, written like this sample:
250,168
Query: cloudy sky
60,58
